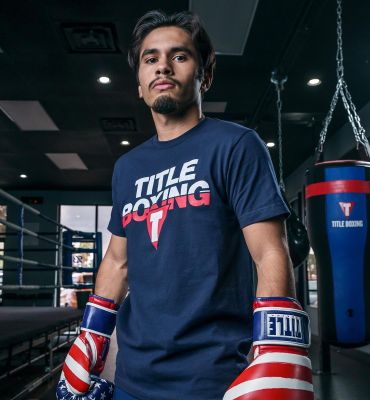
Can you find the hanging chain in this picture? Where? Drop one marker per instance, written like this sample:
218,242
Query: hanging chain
278,80
280,136
342,89
339,56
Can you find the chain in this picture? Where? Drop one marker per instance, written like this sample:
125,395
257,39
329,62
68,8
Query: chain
342,89
278,80
339,57
280,137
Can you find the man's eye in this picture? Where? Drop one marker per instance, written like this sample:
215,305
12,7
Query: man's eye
180,58
150,60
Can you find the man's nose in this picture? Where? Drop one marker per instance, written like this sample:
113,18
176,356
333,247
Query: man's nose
164,67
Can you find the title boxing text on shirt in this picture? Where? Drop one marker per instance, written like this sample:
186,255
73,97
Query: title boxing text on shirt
168,189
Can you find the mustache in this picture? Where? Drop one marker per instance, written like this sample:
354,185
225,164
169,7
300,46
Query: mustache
174,81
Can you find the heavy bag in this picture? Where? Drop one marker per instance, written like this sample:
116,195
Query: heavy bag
338,204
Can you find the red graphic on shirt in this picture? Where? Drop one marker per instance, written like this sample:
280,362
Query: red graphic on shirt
154,223
347,207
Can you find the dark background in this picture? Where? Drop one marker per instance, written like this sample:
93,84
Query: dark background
38,63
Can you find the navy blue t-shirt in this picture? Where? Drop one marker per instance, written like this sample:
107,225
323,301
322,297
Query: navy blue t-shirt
185,328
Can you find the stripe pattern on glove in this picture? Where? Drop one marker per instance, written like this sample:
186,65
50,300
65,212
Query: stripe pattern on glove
275,375
79,362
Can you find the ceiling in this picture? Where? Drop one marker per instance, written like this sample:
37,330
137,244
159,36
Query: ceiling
38,65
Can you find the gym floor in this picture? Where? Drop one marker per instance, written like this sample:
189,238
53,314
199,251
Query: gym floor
349,379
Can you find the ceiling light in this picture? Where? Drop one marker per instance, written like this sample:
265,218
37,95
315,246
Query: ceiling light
314,82
23,176
270,144
67,160
28,115
104,80
125,143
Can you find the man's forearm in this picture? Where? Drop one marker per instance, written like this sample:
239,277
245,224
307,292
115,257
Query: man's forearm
111,281
275,276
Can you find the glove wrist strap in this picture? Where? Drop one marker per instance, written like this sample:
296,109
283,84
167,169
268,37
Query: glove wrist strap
276,325
99,316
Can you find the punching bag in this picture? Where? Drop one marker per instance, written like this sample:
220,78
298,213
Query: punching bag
338,204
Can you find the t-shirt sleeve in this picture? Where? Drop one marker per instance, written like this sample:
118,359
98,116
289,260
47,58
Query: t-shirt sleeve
251,183
115,223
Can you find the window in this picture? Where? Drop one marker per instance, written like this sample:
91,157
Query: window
80,218
90,218
103,220
312,279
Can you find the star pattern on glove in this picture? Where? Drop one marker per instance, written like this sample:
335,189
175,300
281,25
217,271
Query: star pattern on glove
111,389
102,397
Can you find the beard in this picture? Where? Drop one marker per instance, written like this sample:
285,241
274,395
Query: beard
165,105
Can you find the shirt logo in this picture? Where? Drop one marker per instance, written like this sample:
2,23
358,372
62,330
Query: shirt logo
168,190
284,326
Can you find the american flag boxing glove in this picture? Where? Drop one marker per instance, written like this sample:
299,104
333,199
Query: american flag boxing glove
281,369
88,353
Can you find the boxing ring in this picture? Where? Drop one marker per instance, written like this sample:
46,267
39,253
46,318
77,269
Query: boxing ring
35,339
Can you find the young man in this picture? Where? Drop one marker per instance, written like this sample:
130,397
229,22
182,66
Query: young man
192,206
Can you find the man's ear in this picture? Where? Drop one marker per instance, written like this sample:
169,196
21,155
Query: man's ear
140,92
207,81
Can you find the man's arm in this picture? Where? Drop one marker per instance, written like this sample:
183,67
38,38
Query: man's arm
111,281
280,368
267,244
86,357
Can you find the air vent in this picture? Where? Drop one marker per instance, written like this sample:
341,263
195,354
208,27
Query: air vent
118,124
90,38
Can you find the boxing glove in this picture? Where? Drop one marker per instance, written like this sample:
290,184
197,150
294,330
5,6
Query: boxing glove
88,353
281,369
99,389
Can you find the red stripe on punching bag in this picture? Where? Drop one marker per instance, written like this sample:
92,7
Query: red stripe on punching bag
342,186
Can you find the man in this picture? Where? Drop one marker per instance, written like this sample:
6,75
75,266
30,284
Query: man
191,207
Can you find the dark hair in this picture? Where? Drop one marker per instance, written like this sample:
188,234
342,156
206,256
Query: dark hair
185,20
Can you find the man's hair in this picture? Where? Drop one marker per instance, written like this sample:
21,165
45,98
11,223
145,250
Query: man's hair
185,20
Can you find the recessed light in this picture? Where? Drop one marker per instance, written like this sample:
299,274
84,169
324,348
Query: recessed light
104,80
125,143
314,82
23,176
270,144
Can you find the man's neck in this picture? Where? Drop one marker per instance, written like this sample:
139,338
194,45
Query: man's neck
172,126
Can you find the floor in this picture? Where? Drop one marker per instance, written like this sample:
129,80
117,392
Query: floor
350,377
349,380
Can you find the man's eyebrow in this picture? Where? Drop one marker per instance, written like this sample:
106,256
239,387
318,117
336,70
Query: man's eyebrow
172,50
181,48
149,51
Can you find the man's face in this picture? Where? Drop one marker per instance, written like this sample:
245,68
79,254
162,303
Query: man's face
168,71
